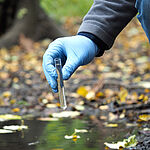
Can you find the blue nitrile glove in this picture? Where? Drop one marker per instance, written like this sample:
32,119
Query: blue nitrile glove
73,51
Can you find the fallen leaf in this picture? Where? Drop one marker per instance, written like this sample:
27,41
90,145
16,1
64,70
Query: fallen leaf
90,95
104,107
79,107
33,143
126,143
144,117
15,127
81,130
9,117
68,137
48,119
5,131
15,109
112,116
51,105
115,145
144,84
113,125
82,91
66,114
131,124
6,94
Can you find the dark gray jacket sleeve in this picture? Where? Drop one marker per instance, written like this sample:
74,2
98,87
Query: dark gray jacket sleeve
107,18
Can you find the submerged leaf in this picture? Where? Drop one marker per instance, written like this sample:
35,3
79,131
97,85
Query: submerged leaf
5,131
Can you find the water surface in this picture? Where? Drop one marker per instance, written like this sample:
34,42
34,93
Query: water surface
50,135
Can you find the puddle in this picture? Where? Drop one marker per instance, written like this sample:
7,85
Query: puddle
50,135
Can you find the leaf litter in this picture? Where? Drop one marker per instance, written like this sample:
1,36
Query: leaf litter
125,72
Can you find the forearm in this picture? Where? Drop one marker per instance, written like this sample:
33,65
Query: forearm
107,18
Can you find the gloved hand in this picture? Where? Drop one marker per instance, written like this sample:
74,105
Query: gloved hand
73,51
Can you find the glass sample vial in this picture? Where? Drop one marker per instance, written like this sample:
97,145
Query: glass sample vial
61,90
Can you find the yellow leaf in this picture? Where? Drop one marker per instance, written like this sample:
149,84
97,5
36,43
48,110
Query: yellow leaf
99,94
147,90
123,94
141,97
145,98
7,94
111,125
82,91
15,109
9,117
144,117
15,79
48,119
137,79
12,101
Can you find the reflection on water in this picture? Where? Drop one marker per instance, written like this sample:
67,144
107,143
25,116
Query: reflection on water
50,135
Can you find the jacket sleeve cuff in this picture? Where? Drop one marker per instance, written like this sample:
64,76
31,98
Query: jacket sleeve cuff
101,45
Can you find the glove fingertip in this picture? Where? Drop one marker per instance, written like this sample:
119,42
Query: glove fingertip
55,90
66,74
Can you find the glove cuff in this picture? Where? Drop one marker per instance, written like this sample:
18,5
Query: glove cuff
100,44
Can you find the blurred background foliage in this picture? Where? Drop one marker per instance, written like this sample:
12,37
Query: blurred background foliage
60,9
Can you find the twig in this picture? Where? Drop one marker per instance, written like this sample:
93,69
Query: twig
131,107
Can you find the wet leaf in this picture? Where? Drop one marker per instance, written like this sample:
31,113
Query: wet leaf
68,137
126,143
15,127
144,117
9,117
33,143
5,131
81,130
115,145
66,114
48,119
